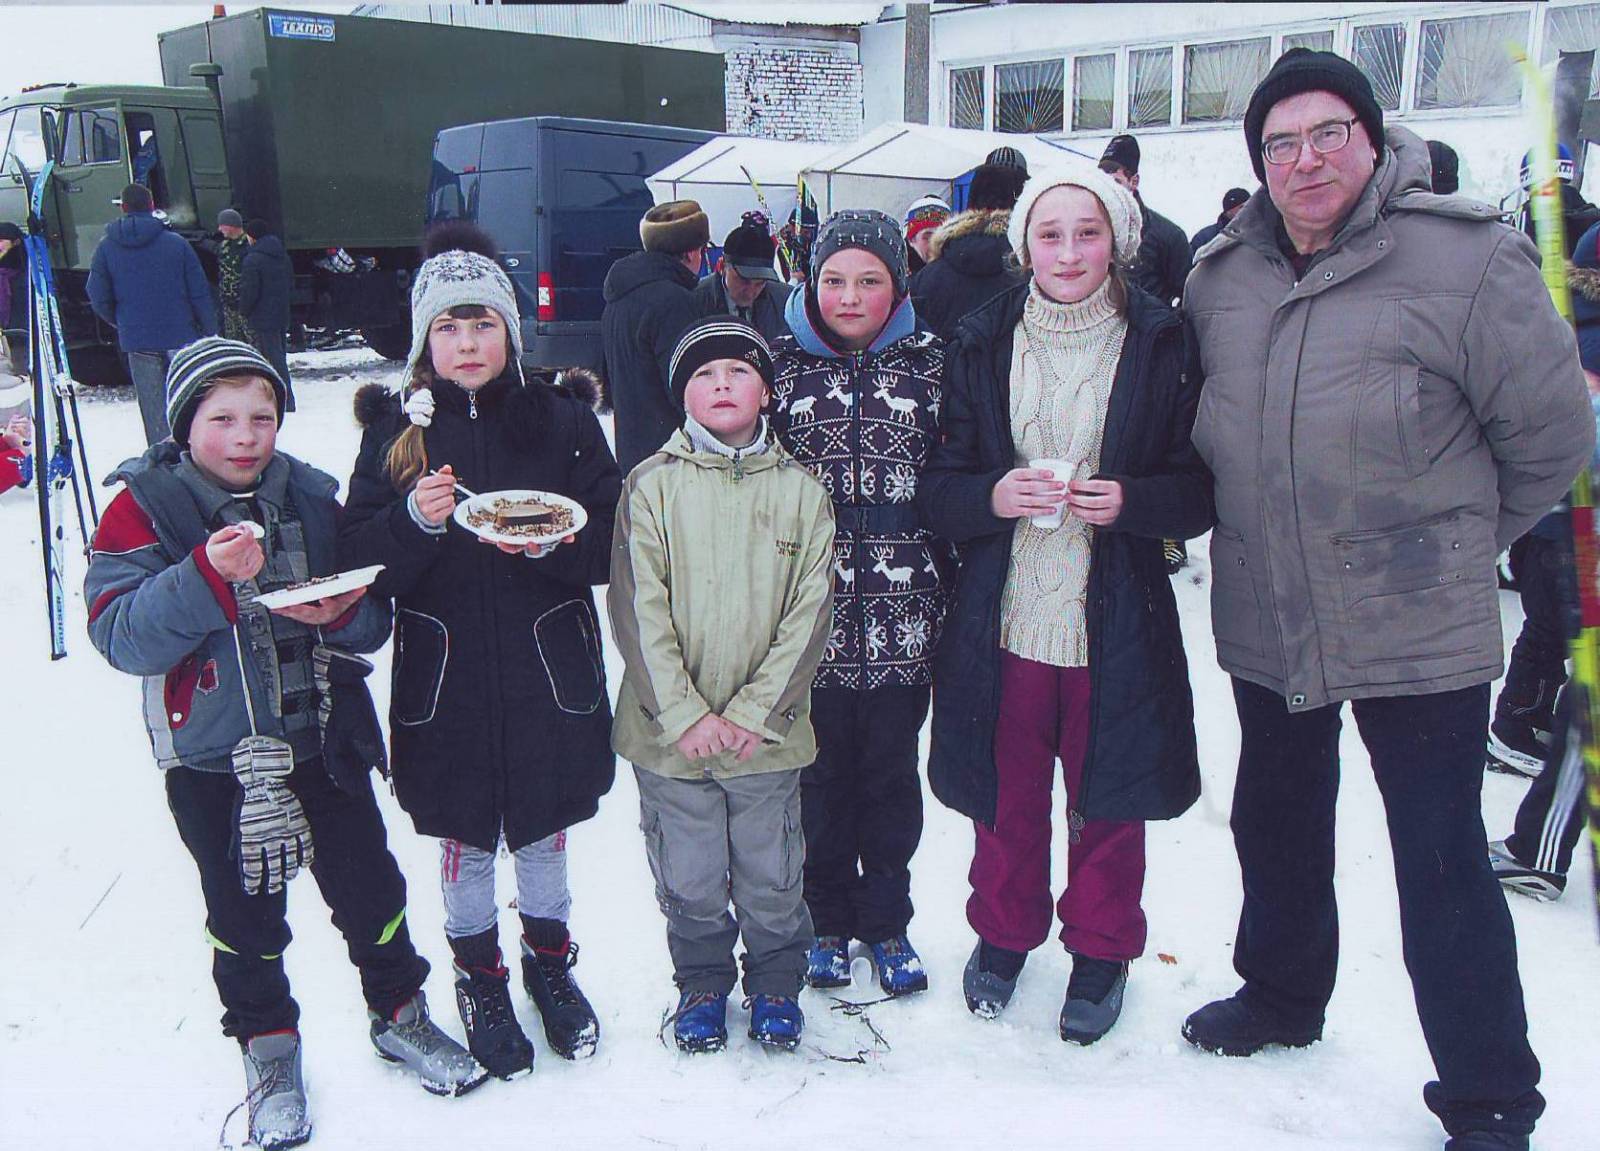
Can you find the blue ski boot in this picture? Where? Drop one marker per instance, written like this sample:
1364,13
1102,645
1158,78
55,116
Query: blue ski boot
900,970
701,1022
775,1021
828,962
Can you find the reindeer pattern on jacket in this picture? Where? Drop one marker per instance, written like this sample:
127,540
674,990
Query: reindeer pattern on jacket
865,424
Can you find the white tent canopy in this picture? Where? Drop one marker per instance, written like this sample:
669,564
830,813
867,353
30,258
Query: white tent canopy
719,172
895,163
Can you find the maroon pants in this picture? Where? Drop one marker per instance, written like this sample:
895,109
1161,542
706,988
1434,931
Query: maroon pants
1044,713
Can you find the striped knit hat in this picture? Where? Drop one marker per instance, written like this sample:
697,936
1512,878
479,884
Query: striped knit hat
194,365
717,338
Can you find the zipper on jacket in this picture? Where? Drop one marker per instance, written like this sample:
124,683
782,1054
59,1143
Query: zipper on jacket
855,536
499,766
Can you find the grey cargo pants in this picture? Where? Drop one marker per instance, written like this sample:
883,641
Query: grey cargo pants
709,840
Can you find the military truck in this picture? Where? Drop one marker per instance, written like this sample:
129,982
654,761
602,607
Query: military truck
324,127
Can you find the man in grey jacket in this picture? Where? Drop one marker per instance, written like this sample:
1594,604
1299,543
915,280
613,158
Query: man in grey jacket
1389,400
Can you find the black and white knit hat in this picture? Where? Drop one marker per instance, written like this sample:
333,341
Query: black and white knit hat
871,231
717,338
193,365
453,279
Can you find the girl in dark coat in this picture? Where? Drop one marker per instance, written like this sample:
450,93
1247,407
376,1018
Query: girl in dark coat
1065,462
499,718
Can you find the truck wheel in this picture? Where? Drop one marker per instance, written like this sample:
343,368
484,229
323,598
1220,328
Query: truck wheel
392,341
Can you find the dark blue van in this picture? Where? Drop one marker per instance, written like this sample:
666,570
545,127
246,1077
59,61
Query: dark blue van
562,198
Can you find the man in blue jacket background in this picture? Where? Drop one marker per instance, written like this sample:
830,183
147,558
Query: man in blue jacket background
146,282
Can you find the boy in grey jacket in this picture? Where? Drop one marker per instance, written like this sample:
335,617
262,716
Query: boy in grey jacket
259,719
720,598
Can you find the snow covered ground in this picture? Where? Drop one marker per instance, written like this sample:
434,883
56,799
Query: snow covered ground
108,1032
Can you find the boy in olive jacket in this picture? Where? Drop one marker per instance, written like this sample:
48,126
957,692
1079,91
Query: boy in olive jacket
720,599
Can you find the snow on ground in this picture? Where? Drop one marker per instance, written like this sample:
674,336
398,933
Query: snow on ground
108,1032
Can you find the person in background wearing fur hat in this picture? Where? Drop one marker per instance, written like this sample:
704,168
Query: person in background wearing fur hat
649,302
498,715
721,573
923,218
969,257
1388,399
261,723
1066,460
858,390
1163,262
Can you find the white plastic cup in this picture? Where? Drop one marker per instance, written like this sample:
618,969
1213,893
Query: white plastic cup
1062,474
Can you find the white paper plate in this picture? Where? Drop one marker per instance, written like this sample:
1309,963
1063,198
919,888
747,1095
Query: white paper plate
488,500
310,592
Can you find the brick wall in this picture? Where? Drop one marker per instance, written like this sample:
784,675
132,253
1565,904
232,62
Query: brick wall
793,90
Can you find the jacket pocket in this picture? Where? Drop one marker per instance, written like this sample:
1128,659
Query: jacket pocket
569,647
1410,592
421,651
1235,603
1408,418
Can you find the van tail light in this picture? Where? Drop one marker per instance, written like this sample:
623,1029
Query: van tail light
547,298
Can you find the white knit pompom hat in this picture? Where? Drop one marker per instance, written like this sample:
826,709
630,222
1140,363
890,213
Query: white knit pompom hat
455,278
1122,209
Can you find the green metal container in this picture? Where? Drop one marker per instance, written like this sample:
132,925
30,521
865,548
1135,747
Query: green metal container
330,120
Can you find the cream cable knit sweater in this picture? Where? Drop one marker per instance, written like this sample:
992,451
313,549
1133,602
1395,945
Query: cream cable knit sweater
1063,361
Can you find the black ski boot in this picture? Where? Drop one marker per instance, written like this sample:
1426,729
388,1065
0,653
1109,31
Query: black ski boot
483,996
570,1025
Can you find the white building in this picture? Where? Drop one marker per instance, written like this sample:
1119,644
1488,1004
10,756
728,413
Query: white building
793,70
1179,76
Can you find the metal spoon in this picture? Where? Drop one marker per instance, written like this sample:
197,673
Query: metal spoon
460,487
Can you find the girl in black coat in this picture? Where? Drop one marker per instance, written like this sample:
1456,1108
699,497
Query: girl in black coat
1063,636
499,717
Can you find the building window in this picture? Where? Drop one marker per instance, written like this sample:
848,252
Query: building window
1574,29
966,98
1028,96
1094,91
1464,63
1150,87
1218,78
1316,41
1380,52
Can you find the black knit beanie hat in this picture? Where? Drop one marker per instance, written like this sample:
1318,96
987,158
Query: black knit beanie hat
1302,70
717,338
871,231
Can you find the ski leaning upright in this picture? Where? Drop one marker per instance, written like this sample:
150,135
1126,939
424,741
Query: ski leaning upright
55,413
1549,226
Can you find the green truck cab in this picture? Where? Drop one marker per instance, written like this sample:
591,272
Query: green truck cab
323,126
99,136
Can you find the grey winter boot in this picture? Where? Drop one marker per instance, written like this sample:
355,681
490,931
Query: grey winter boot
987,992
1094,998
412,1039
276,1095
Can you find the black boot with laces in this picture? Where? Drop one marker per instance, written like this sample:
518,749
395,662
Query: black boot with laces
483,996
570,1025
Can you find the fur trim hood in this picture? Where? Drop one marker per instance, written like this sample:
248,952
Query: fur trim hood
983,222
1584,282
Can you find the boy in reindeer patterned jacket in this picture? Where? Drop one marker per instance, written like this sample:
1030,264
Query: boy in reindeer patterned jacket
858,392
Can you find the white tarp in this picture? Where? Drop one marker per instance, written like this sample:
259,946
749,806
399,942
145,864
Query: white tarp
718,175
895,163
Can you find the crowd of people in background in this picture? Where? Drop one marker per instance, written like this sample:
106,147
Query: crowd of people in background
946,470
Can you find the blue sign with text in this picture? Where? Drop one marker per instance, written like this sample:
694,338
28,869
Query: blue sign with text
299,27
